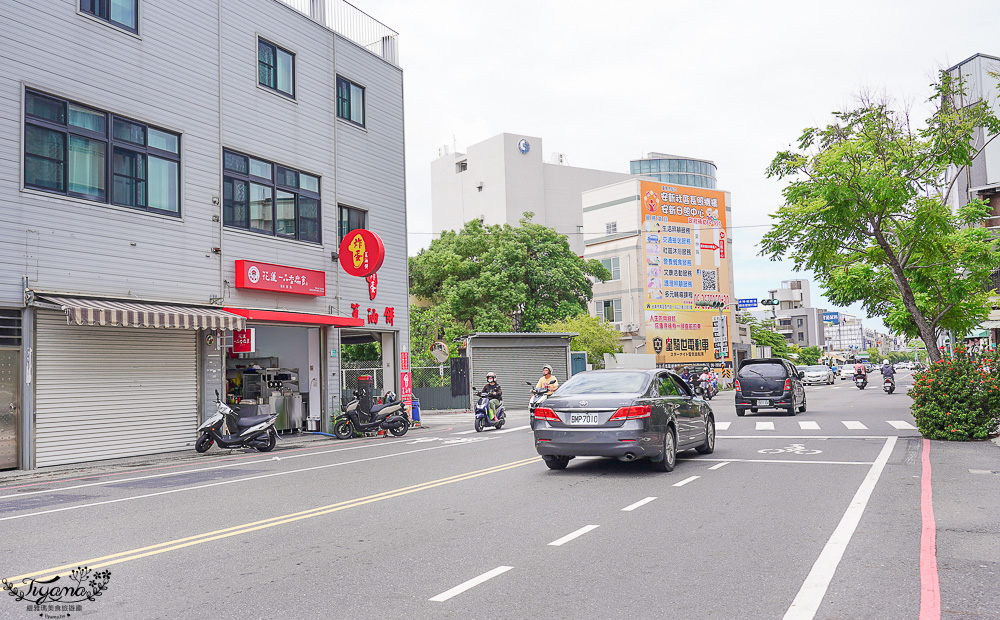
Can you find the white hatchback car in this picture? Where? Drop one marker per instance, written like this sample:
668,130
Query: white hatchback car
817,374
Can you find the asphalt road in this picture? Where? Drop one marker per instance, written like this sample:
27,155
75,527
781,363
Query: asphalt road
810,516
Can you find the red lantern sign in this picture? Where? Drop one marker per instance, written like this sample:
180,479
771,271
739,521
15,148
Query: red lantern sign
361,252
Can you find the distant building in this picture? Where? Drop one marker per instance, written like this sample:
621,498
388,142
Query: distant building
845,333
795,318
676,170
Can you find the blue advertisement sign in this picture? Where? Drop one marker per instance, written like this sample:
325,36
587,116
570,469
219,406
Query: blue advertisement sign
746,303
831,317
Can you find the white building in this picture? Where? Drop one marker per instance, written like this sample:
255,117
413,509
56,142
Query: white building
500,178
845,333
795,318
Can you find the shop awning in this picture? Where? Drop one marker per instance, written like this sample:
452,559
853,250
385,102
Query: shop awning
280,316
84,311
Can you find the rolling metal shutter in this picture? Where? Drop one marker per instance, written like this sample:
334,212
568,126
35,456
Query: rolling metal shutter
112,392
514,366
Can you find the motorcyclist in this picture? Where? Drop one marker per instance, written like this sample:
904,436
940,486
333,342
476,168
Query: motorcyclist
888,372
492,391
686,375
709,378
548,380
861,371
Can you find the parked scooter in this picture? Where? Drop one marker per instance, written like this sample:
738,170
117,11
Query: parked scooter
390,415
888,385
252,431
482,413
538,396
861,381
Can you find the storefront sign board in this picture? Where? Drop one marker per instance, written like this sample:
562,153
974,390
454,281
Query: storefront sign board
245,340
406,389
361,253
279,278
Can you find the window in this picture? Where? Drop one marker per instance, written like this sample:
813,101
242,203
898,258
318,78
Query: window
612,265
801,337
462,166
269,198
611,227
799,323
610,310
665,386
121,13
350,101
351,219
75,150
275,68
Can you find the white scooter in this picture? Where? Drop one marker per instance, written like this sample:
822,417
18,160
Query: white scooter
888,385
538,396
251,431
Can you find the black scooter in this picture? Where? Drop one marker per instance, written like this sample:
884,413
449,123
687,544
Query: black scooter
251,431
390,415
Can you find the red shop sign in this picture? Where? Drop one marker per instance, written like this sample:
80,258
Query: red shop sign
244,340
279,278
361,253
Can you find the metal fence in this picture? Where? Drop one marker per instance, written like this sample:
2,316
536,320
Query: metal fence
432,387
354,24
350,371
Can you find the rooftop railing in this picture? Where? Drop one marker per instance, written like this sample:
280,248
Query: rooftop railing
352,23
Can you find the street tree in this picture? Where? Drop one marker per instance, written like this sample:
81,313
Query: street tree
596,336
809,356
502,278
762,333
868,212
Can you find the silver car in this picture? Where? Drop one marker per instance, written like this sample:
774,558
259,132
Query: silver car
817,374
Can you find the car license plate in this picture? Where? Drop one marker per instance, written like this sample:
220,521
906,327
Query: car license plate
763,402
583,418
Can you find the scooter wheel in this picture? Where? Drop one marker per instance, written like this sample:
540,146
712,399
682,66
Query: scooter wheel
342,429
399,431
499,424
480,425
204,443
269,443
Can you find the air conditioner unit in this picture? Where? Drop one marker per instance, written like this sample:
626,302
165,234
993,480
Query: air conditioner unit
617,326
631,327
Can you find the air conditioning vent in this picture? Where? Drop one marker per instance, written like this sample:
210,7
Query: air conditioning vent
617,326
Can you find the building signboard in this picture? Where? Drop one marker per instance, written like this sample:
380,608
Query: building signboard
831,317
361,252
684,238
279,278
245,340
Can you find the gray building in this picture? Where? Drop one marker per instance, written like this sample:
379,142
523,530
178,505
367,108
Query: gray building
170,172
794,317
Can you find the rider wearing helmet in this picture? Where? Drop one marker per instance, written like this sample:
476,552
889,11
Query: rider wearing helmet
888,372
548,380
495,394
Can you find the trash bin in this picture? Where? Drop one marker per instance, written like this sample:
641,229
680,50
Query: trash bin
415,410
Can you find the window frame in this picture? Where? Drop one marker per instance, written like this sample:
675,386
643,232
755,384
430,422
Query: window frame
364,102
616,309
275,48
613,268
111,144
275,184
106,4
341,208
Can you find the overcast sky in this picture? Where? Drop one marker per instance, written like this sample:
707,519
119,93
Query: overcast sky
606,82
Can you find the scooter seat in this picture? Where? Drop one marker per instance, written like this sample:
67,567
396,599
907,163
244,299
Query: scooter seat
251,420
376,408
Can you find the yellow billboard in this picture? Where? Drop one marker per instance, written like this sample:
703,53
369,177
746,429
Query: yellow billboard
684,242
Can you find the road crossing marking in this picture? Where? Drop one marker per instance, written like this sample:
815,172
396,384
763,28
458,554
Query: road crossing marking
812,425
854,425
901,425
808,426
641,502
687,480
765,426
722,426
568,537
462,587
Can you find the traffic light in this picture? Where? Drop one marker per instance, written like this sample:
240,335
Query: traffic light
769,302
710,304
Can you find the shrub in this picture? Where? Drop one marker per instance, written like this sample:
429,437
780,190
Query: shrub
958,397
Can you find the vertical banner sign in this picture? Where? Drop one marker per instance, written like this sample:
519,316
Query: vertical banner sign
685,262
406,390
404,360
244,340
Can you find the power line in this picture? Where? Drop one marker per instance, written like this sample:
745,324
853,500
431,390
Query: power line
629,232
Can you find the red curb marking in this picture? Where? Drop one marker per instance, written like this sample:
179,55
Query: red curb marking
930,588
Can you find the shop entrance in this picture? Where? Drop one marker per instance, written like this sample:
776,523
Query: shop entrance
276,369
367,353
10,383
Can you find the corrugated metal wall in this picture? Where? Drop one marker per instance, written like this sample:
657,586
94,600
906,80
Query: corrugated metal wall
514,366
111,392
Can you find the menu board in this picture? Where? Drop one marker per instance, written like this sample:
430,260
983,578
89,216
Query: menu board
684,242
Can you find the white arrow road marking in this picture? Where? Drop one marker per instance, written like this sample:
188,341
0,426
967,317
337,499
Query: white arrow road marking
722,426
641,502
808,426
765,426
568,537
901,425
854,425
444,596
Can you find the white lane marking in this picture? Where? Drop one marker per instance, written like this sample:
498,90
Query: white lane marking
901,425
808,426
568,537
462,587
811,437
231,481
511,430
807,601
641,502
722,426
765,426
784,460
720,465
854,425
464,432
687,480
980,471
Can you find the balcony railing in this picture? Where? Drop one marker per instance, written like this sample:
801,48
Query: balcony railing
352,23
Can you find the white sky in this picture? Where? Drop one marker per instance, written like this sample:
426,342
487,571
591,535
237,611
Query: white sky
606,82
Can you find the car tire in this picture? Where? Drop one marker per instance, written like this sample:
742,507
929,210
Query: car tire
669,459
802,409
791,410
709,446
753,410
556,462
741,412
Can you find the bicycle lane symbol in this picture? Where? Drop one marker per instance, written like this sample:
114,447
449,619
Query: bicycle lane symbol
795,448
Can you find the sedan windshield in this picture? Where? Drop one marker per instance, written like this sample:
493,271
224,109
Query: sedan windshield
816,369
604,383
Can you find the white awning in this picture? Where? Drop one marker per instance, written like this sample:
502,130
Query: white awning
84,311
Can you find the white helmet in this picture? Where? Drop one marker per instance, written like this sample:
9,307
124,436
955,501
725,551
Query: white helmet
885,362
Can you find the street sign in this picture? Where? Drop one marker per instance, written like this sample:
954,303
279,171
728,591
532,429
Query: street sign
746,303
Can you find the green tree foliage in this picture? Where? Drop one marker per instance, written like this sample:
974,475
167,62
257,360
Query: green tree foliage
874,356
597,336
809,356
865,212
370,351
504,278
762,333
958,397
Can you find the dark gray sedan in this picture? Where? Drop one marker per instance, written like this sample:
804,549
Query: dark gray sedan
626,414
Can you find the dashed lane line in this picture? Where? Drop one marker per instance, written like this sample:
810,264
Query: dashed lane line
687,480
462,587
568,537
720,465
638,504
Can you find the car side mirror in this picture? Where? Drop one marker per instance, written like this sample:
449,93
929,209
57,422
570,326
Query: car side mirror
802,375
